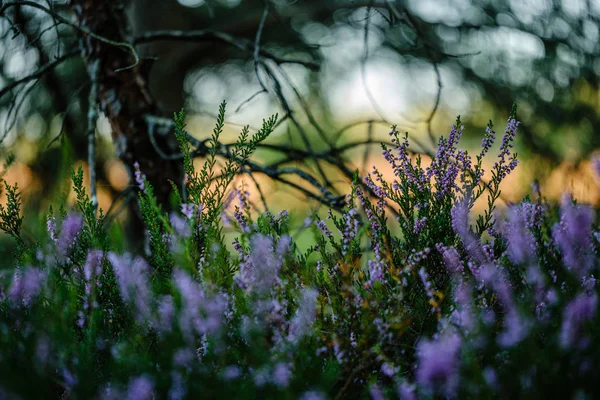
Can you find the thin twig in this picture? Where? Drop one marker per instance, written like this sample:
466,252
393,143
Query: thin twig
78,27
40,72
209,34
256,54
93,72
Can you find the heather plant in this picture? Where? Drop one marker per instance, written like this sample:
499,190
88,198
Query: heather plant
403,292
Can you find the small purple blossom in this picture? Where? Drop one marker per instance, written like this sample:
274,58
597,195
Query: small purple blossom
68,234
439,364
139,177
281,375
580,310
26,285
304,318
140,388
132,276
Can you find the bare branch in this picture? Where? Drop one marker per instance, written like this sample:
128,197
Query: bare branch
208,34
40,72
81,29
93,71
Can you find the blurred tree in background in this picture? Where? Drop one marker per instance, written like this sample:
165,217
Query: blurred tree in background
89,73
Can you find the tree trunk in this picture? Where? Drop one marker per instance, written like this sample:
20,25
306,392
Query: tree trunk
123,95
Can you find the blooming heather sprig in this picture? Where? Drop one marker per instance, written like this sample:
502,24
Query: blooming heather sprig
504,165
51,227
71,227
139,176
302,322
438,365
260,270
580,310
201,314
26,285
132,277
573,235
522,245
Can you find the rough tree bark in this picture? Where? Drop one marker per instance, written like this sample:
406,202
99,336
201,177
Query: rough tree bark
123,94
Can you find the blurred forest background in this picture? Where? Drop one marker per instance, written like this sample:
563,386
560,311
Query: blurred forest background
96,82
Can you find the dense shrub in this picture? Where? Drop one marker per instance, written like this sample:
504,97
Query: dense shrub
504,307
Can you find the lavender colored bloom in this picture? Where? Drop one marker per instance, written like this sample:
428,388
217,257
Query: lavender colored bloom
580,310
180,225
200,314
68,233
516,329
132,276
460,225
389,370
139,177
26,285
260,270
376,392
189,210
323,227
178,389
573,235
490,376
93,265
522,246
406,391
51,226
140,388
312,395
281,375
439,364
501,167
305,315
231,372
451,258
184,358
165,312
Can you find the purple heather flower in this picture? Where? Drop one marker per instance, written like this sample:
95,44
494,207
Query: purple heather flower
490,376
376,392
573,235
26,285
132,277
93,265
439,364
406,391
200,314
502,169
178,389
580,310
231,372
51,226
389,370
189,210
140,388
451,258
139,177
184,358
165,312
68,233
312,395
460,225
180,225
281,375
323,227
522,246
302,322
260,270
